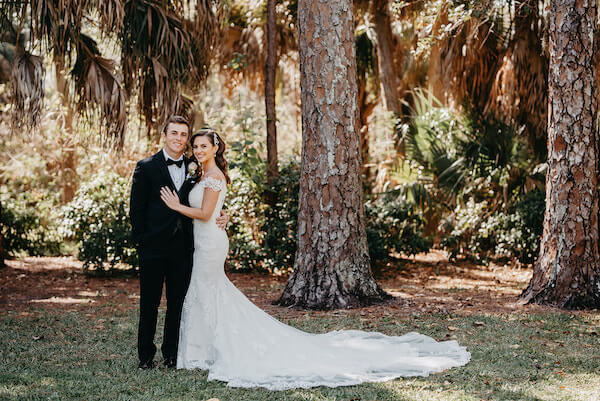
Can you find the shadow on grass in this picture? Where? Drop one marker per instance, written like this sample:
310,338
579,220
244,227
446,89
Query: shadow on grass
57,355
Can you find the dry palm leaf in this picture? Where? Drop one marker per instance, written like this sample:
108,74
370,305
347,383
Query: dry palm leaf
27,83
519,91
163,51
98,88
111,13
242,46
58,23
469,59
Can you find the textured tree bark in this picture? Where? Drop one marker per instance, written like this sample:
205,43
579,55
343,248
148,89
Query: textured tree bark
567,272
388,76
332,267
270,69
68,163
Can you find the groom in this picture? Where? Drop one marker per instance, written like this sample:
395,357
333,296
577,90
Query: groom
164,240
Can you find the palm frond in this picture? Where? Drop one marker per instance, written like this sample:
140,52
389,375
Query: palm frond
58,24
469,56
99,88
27,83
242,48
519,91
111,13
162,51
184,106
206,24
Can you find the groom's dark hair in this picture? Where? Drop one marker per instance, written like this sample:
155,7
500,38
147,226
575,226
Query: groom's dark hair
176,120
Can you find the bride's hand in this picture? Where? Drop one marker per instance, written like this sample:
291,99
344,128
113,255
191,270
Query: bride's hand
170,198
222,220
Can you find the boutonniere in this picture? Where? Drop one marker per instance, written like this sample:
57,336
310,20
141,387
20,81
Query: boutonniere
192,171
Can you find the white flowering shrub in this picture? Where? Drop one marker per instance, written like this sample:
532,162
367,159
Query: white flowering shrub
98,219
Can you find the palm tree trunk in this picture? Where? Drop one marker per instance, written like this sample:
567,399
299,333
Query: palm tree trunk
567,272
69,157
388,74
332,267
270,70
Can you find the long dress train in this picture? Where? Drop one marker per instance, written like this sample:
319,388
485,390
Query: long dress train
237,342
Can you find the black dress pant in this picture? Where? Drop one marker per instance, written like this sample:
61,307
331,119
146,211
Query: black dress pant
172,264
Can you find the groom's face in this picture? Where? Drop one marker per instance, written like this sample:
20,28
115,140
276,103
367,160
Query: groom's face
176,137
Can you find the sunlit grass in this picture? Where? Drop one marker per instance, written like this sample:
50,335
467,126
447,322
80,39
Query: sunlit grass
52,354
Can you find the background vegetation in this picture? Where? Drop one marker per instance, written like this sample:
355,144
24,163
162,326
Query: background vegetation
460,166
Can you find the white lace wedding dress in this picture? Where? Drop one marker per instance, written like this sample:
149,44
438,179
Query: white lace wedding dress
226,334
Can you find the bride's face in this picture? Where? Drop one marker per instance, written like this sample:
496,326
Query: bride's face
203,149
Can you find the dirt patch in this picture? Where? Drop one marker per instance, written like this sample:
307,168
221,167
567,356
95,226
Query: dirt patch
44,282
427,283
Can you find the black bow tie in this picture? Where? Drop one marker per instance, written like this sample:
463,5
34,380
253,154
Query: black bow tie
177,162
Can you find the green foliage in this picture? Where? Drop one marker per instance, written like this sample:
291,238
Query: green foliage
98,219
261,237
520,229
29,224
281,221
463,154
513,233
264,237
473,174
393,226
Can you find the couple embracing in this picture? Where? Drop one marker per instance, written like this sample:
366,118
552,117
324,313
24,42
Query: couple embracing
178,226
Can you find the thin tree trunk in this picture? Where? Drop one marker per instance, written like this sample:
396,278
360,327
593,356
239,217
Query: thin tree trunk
366,108
332,268
270,70
69,158
567,272
388,74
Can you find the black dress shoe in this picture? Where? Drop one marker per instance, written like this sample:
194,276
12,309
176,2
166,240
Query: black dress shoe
146,365
170,363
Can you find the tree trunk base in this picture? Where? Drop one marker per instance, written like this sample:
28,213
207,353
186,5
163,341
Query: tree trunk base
572,301
305,298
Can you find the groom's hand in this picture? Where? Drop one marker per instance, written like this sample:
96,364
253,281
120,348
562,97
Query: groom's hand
222,220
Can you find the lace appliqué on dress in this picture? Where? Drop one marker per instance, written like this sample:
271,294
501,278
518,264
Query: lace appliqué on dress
239,343
213,183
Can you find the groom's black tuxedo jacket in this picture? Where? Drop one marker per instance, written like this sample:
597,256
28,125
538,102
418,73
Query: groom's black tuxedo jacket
154,225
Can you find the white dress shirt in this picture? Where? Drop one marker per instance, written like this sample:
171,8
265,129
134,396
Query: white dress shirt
177,173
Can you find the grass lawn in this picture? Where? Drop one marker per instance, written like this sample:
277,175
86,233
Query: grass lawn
87,352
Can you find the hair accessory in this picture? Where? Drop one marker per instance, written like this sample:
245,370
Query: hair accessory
216,139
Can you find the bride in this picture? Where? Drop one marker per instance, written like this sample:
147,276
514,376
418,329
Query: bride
223,332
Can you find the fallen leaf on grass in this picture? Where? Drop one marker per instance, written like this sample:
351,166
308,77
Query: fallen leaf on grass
451,328
478,323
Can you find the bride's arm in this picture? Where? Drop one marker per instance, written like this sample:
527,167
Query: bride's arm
209,201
